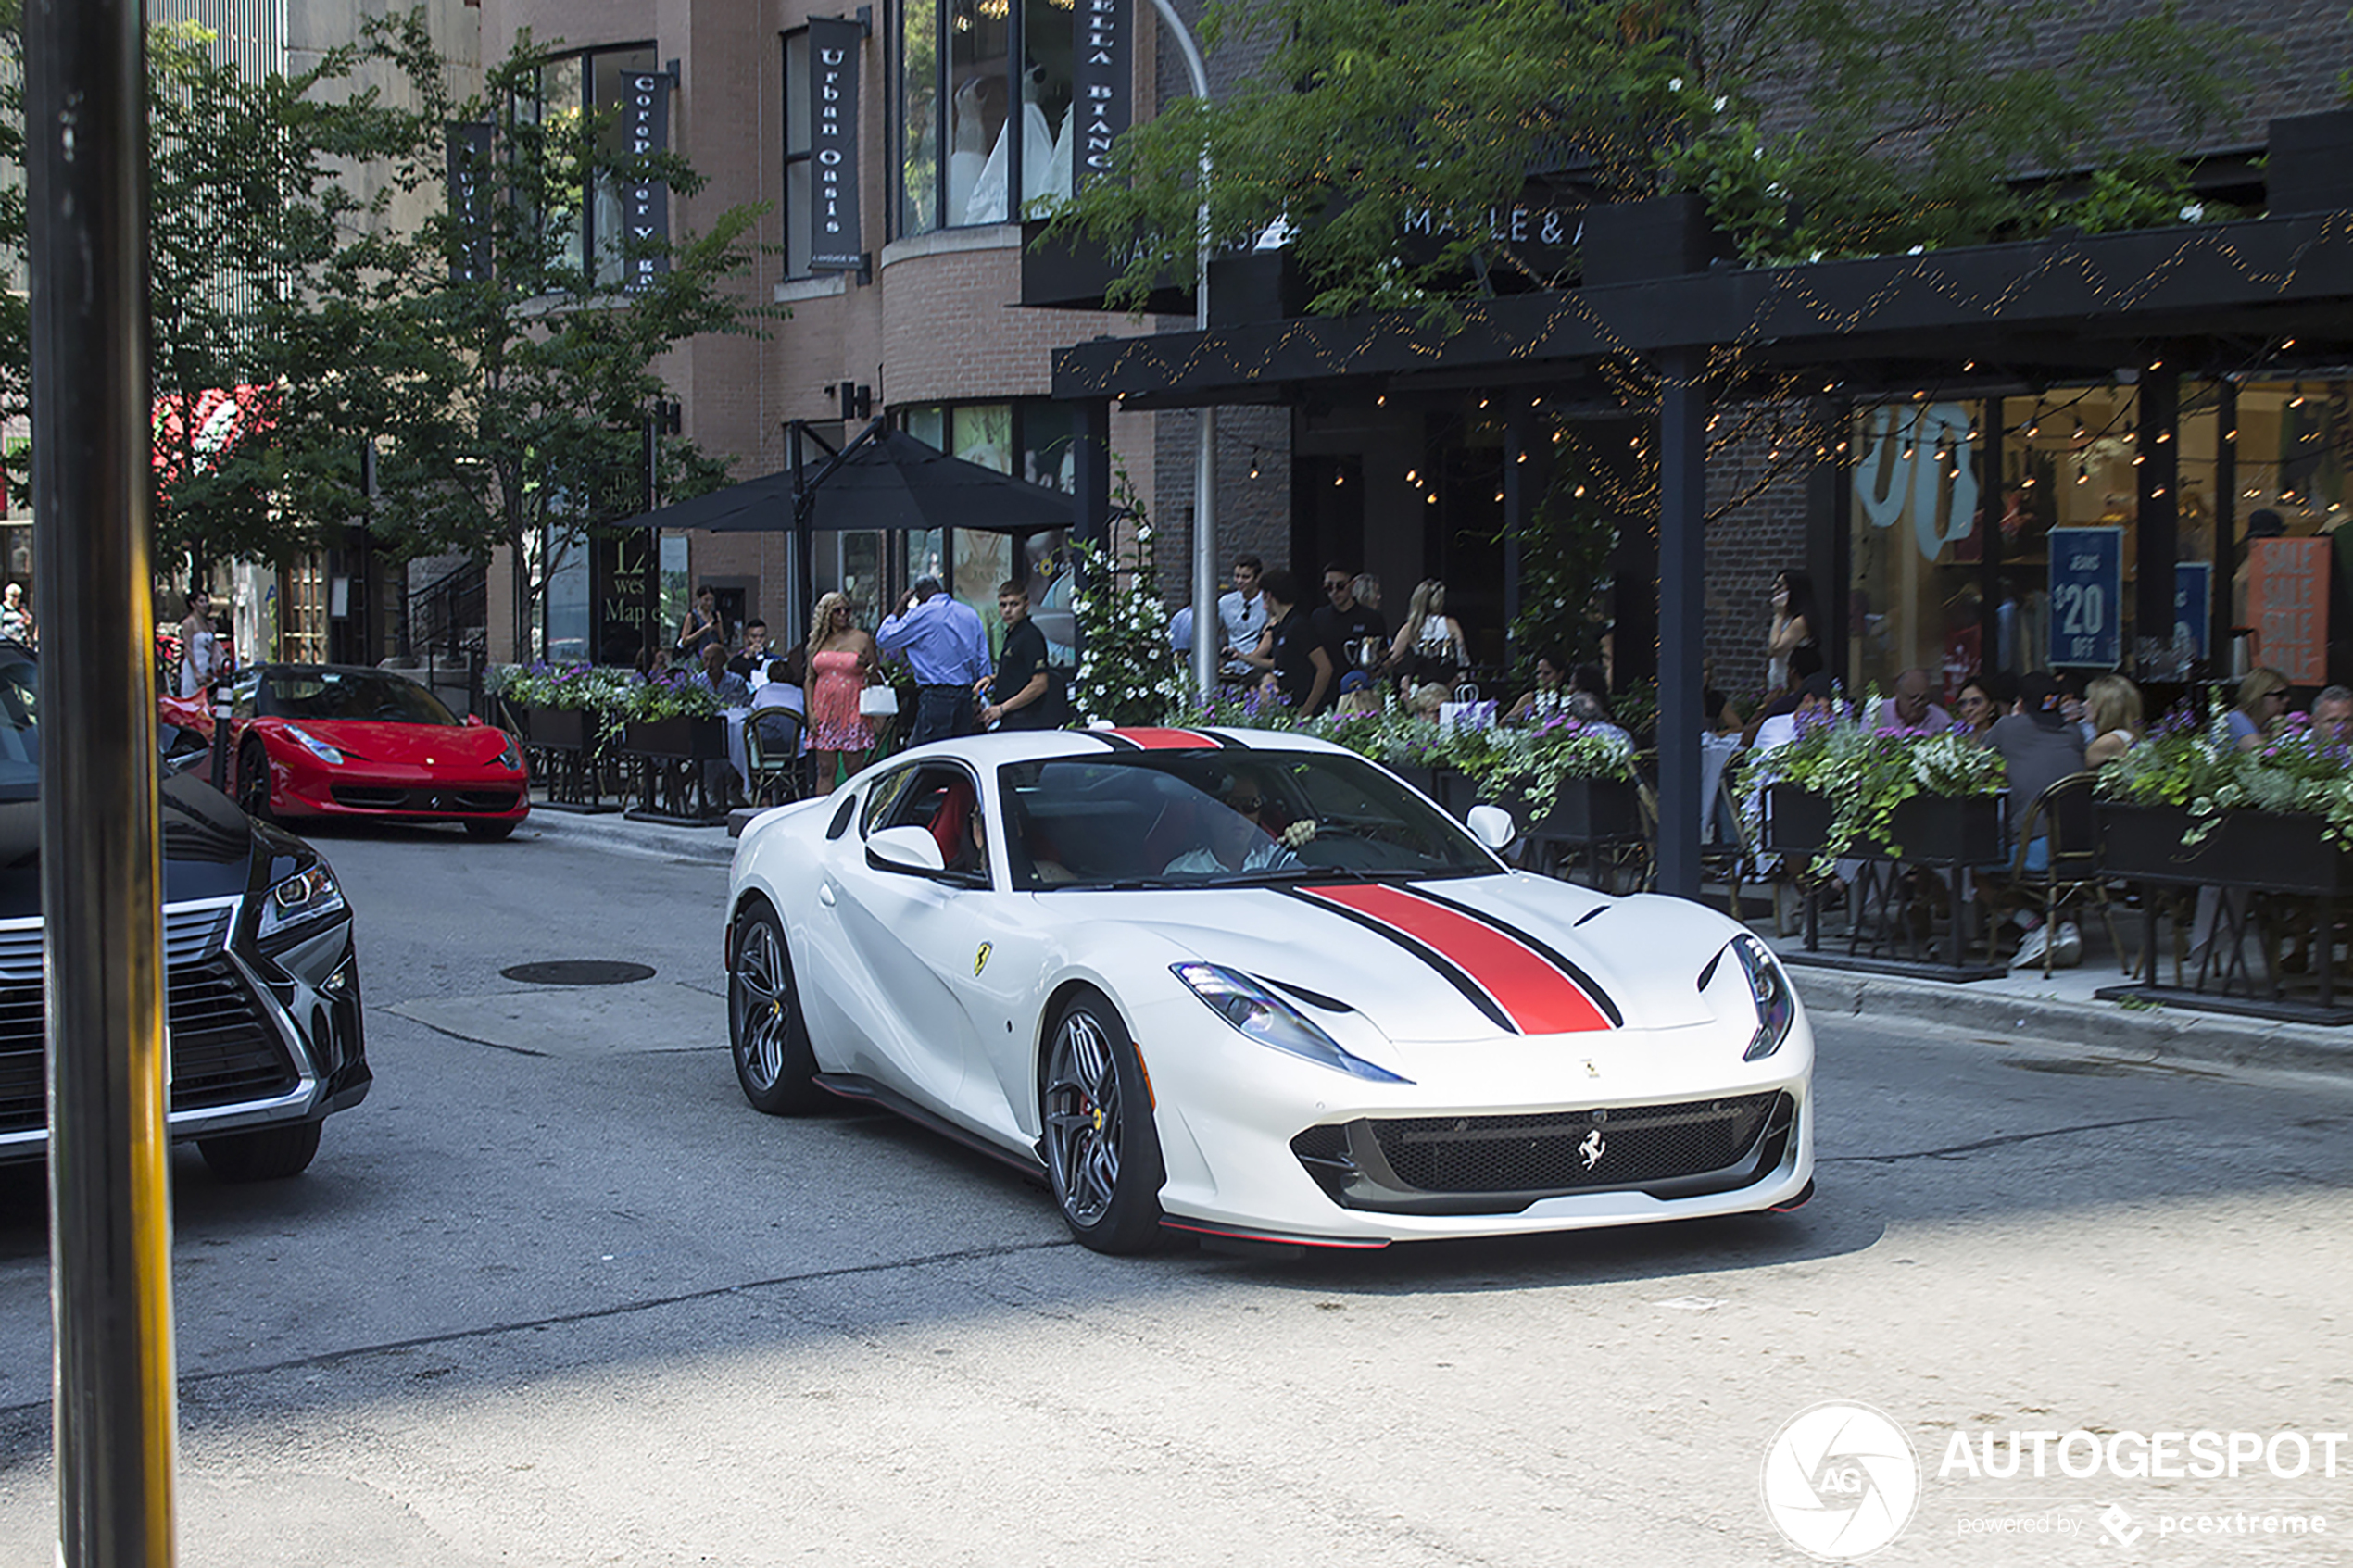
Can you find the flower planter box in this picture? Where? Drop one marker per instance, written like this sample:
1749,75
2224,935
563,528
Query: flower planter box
1945,830
1455,793
565,729
1582,811
2266,851
678,740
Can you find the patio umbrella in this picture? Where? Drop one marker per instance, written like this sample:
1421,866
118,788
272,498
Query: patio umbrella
882,479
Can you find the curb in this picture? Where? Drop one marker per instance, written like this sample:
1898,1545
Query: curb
2167,1031
614,831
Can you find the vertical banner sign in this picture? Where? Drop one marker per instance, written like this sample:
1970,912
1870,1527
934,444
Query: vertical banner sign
2287,602
2193,605
470,202
2087,596
644,125
834,243
1102,85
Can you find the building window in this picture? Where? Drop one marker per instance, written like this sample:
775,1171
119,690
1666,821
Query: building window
797,150
978,60
1032,438
583,215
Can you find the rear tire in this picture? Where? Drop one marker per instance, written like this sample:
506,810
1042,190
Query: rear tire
491,833
1103,1151
767,1034
266,1154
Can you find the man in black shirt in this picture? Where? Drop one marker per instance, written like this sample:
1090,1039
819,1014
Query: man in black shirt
756,654
1022,694
1343,622
1291,651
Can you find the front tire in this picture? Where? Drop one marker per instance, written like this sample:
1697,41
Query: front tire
266,1154
253,780
1103,1152
766,1033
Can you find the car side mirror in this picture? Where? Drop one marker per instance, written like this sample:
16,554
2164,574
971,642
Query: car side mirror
1492,825
471,720
905,849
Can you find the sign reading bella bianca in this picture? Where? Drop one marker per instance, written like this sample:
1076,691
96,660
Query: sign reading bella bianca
1101,81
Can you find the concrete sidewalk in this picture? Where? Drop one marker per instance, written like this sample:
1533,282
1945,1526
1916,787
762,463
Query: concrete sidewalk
2060,1011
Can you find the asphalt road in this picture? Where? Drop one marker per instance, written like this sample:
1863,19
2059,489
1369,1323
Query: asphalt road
555,1294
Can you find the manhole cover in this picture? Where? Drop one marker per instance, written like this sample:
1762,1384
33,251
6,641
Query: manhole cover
579,971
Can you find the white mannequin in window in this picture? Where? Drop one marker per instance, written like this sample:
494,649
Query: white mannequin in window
968,157
987,203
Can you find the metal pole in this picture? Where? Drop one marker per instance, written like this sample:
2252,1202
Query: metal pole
1682,567
110,1215
1206,631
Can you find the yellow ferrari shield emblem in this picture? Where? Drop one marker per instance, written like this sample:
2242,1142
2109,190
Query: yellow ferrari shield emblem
980,959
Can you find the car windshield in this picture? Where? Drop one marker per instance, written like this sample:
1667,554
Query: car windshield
20,736
349,693
1206,819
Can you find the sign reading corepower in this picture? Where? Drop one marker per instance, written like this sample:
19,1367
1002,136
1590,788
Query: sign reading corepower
644,127
2087,596
834,243
1102,82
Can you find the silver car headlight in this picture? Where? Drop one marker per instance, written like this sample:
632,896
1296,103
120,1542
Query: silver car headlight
1267,1019
1769,988
313,745
309,894
510,756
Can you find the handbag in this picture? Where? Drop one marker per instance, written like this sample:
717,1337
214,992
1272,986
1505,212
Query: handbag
877,702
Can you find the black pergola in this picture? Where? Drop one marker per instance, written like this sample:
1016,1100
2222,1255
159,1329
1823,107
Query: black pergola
2206,300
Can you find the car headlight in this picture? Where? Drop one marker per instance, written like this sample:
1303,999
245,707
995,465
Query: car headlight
1267,1019
510,756
313,745
306,895
1769,988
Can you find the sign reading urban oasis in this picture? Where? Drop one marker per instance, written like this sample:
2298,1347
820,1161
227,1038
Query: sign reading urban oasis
1100,85
834,242
644,125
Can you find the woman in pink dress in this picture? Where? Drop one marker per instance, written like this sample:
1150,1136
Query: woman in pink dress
841,658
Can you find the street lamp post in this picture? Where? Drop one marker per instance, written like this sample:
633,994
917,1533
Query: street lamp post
1205,626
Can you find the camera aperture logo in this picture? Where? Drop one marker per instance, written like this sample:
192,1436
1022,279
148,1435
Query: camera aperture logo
1841,1480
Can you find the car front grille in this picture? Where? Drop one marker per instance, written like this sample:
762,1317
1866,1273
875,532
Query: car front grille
438,802
1496,1165
223,1047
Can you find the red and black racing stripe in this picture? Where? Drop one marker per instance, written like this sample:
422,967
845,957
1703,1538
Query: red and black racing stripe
1153,737
1519,983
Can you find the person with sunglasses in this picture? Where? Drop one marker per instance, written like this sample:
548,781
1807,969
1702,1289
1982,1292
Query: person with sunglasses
1239,837
1346,623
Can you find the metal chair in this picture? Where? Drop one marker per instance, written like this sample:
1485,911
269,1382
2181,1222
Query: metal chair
773,760
2063,815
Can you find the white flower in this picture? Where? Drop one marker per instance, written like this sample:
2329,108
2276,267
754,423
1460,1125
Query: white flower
1719,105
1674,84
2194,212
1915,250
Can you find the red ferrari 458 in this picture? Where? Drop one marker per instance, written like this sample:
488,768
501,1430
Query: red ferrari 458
331,740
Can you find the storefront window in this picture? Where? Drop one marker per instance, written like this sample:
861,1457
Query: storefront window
958,169
796,153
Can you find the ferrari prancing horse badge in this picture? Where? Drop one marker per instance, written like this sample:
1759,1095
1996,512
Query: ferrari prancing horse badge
980,961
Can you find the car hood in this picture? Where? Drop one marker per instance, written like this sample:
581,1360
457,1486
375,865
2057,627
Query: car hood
408,746
1448,961
207,848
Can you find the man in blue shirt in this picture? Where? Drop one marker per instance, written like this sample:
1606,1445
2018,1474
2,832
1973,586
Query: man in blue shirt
943,644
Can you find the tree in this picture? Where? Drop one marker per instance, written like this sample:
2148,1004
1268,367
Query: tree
1813,127
522,373
266,261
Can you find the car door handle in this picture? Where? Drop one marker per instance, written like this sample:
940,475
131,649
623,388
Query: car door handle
826,892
